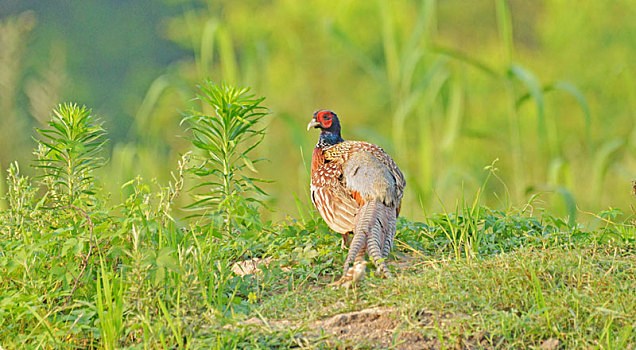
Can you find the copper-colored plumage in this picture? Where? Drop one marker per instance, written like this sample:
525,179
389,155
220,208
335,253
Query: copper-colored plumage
357,188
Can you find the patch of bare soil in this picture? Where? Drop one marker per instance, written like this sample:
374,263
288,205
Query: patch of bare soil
378,328
374,327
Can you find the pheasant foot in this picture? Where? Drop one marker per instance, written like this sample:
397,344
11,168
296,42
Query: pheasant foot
353,276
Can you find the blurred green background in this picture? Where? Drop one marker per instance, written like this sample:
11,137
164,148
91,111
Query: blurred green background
546,87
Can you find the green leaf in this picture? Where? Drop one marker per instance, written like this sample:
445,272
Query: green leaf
248,163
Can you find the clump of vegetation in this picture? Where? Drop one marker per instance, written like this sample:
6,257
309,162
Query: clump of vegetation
224,139
69,152
78,272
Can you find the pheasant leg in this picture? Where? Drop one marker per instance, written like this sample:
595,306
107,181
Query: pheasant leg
353,275
345,240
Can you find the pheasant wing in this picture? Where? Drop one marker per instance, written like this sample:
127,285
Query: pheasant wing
334,203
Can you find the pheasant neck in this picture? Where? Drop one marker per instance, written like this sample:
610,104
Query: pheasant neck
329,138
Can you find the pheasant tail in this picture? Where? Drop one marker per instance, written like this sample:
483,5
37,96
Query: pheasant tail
375,228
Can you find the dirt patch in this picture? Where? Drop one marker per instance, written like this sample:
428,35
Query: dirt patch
374,327
253,266
550,344
378,328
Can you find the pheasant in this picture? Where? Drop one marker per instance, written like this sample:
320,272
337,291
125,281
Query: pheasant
357,188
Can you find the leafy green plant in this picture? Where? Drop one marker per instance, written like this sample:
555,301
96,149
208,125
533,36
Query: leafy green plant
20,197
225,137
109,301
69,153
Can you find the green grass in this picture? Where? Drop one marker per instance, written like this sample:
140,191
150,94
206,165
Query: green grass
530,280
583,296
100,254
504,277
77,272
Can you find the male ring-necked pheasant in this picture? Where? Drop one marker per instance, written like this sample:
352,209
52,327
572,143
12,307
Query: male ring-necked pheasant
357,188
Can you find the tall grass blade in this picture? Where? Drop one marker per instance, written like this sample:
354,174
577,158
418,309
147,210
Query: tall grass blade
228,57
418,42
389,43
504,24
602,162
573,91
466,59
539,297
171,323
560,180
580,98
208,37
109,301
156,89
516,151
570,204
42,320
536,91
454,116
431,91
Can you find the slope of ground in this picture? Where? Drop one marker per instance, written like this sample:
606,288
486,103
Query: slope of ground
548,298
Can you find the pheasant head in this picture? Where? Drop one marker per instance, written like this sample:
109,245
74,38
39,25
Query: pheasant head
329,125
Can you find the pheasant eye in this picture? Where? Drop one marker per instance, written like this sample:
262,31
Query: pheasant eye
321,117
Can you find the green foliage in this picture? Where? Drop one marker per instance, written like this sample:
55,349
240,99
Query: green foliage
153,283
224,138
109,300
20,197
79,273
69,153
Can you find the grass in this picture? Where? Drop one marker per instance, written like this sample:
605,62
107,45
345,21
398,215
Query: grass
583,296
529,279
78,272
84,268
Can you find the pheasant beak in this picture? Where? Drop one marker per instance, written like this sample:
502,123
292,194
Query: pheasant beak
313,124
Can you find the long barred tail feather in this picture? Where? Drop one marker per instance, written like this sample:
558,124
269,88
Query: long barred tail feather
361,232
356,248
376,240
375,227
390,232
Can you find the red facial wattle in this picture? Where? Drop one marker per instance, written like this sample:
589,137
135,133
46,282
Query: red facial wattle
324,118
